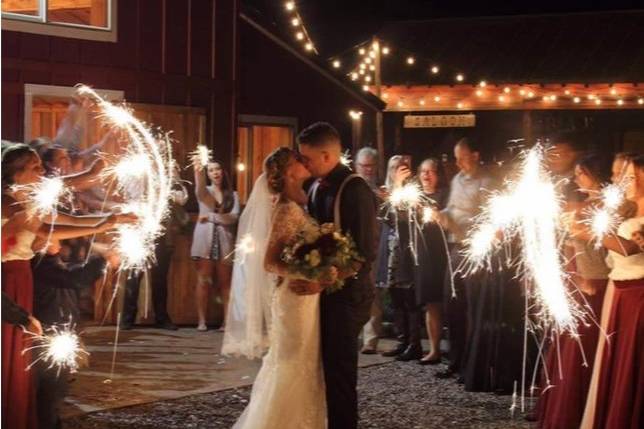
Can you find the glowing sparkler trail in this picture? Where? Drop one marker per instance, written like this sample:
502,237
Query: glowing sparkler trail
144,176
201,156
406,197
530,209
245,246
604,219
61,348
345,158
45,196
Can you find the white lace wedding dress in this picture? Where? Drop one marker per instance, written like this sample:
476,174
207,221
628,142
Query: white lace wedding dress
289,391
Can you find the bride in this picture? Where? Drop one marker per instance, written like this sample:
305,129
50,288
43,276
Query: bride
289,389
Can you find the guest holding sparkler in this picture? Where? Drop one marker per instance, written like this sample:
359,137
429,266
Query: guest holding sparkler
569,360
22,167
616,396
432,258
466,195
395,271
214,236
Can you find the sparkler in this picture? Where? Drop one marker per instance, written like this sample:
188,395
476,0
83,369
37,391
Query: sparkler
144,177
245,246
201,156
529,209
345,158
604,219
44,196
61,348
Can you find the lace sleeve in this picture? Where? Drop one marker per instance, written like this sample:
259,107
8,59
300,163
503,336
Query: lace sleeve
288,219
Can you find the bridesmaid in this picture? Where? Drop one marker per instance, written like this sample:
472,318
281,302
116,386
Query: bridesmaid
429,274
22,166
213,242
616,401
562,404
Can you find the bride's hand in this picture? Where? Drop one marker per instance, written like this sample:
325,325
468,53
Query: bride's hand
329,276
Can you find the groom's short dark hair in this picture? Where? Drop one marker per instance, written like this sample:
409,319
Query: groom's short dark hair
318,134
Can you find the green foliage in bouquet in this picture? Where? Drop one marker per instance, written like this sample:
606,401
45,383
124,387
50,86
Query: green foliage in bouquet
315,250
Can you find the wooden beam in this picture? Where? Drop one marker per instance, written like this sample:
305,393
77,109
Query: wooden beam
577,96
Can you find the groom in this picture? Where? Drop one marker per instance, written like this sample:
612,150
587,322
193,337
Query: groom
342,313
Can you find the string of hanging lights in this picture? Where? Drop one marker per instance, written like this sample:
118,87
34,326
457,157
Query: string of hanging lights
299,29
461,95
459,91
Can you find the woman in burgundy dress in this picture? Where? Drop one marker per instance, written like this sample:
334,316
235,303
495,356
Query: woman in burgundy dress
22,166
616,400
569,361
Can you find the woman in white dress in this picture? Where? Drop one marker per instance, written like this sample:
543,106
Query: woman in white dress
213,241
289,390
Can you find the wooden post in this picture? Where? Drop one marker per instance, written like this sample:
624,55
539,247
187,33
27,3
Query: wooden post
527,127
380,138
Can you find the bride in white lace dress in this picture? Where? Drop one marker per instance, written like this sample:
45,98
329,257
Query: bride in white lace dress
288,392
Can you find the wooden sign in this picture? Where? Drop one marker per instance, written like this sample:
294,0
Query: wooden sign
439,121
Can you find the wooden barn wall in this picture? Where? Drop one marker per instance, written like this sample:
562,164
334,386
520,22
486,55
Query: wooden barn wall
167,53
275,82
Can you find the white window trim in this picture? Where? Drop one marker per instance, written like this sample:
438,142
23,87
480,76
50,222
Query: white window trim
38,25
33,90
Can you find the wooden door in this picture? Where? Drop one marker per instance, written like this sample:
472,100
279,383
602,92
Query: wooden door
255,143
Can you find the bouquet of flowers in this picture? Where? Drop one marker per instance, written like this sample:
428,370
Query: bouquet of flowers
315,252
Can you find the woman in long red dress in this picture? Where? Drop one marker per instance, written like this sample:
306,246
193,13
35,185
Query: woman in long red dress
569,361
22,166
616,400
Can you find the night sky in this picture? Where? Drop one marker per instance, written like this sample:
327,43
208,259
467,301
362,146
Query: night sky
336,25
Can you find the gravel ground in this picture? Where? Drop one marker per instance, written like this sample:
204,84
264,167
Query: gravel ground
392,396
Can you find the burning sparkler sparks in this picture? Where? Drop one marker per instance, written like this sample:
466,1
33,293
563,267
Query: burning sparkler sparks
45,196
145,177
406,197
61,348
529,209
604,219
345,158
200,157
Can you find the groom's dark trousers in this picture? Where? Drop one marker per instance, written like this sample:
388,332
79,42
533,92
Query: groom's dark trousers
344,313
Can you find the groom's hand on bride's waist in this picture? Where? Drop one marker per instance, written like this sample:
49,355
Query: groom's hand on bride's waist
304,287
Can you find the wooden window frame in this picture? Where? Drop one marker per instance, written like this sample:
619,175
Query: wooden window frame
39,25
33,90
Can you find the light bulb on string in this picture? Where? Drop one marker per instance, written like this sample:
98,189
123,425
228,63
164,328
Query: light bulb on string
367,78
437,98
530,94
482,84
372,67
336,64
362,71
576,100
421,102
613,91
372,54
507,90
435,69
459,105
299,35
365,88
460,77
385,50
361,51
354,76
368,60
290,5
479,93
598,101
411,60
308,46
640,101
522,92
620,102
295,22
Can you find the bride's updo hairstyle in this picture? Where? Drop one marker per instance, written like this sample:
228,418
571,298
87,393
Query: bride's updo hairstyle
275,168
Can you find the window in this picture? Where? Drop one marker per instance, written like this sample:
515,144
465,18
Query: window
82,19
